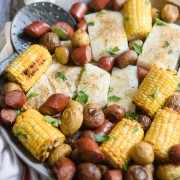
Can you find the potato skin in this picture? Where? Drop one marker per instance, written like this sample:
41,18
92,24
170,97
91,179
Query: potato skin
75,104
145,122
173,102
11,86
62,54
174,154
71,121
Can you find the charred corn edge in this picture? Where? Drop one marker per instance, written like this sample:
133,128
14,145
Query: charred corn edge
164,132
118,152
42,136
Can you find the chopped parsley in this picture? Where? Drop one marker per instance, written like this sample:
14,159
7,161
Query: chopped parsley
113,98
170,51
31,95
100,138
125,166
131,115
155,94
17,111
83,70
110,90
82,97
160,22
58,31
113,51
21,133
60,75
166,44
126,18
137,48
135,129
178,87
147,34
91,23
53,121
103,11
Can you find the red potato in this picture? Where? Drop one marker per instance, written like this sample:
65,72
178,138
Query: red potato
105,128
15,99
78,10
81,55
68,30
64,169
98,5
106,62
117,5
89,151
37,29
82,25
2,102
113,175
142,72
54,104
8,116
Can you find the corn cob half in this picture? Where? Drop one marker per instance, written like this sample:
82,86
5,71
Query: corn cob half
164,132
28,67
157,86
137,18
117,151
38,136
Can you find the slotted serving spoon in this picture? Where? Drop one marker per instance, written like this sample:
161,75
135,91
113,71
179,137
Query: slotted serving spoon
44,11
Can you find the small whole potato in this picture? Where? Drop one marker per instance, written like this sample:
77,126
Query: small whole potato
170,13
174,154
103,169
71,121
93,116
136,41
80,38
155,14
145,121
127,58
142,153
62,54
11,86
150,168
75,104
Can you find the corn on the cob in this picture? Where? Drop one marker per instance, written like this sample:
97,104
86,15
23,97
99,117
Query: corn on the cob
164,132
28,67
38,136
127,133
137,18
157,86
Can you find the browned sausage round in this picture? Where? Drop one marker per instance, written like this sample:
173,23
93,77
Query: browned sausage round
117,5
105,128
15,99
78,10
37,29
82,25
142,72
75,157
98,5
54,104
114,113
8,116
88,171
2,102
88,134
89,151
69,31
106,63
113,175
64,169
81,55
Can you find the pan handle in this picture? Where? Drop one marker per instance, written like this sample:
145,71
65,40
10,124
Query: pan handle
5,63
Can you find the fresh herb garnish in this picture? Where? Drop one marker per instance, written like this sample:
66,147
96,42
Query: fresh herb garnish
113,51
59,32
170,51
147,34
53,121
21,132
126,18
17,111
166,44
137,48
82,97
103,11
131,115
155,94
125,166
113,98
83,70
110,90
178,87
60,75
100,138
90,23
160,22
31,95
135,129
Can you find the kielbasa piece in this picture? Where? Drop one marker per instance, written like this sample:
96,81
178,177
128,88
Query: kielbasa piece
117,5
89,151
54,104
37,29
82,25
98,5
66,28
106,62
15,99
78,10
105,128
142,72
82,55
113,175
64,169
88,134
8,116
2,102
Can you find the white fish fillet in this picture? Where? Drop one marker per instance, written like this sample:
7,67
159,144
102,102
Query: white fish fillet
124,84
95,83
154,50
107,32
